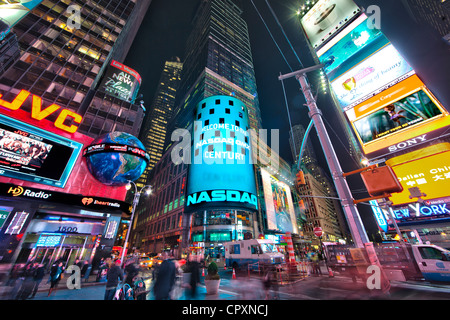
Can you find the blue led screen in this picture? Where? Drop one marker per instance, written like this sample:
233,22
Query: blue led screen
221,173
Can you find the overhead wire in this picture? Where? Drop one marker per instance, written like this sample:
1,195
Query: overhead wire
284,33
270,33
301,65
284,57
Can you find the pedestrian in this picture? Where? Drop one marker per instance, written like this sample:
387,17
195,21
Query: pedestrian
78,264
165,279
193,268
86,270
39,273
113,276
56,274
271,282
267,282
131,271
27,281
140,291
315,264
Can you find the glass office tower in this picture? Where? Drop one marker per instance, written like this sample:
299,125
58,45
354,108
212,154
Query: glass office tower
218,62
154,130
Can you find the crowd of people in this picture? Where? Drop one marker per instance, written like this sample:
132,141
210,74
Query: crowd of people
25,279
126,282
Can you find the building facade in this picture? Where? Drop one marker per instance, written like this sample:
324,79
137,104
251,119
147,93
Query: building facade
63,60
154,130
51,206
218,66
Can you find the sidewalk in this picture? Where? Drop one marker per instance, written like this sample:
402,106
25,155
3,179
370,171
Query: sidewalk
92,281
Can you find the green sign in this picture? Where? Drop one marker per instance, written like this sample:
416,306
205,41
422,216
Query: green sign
4,213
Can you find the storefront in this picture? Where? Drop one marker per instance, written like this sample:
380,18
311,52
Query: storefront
211,228
45,226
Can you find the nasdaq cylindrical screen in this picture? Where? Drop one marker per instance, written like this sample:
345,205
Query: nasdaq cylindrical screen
221,173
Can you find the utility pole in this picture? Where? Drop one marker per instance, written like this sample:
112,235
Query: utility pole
356,226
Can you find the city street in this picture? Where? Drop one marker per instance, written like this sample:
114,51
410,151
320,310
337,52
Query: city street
246,287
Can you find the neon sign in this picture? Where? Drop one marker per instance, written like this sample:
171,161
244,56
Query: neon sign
39,114
222,195
417,210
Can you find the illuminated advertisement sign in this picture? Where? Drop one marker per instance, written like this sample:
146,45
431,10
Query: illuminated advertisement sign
4,213
105,147
418,211
48,240
350,46
399,115
12,11
326,18
279,205
398,118
32,154
121,82
221,172
89,202
380,216
381,70
38,113
427,178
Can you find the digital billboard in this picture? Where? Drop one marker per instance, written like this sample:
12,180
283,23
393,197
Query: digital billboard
381,70
121,82
352,45
32,154
426,176
326,18
399,117
221,173
279,205
11,11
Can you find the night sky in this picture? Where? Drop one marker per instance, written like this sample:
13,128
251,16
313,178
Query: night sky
166,27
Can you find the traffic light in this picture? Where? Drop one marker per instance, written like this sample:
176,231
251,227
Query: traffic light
300,179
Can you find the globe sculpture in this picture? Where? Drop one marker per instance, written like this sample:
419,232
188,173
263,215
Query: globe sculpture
116,158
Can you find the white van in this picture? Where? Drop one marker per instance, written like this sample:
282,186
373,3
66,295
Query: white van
245,252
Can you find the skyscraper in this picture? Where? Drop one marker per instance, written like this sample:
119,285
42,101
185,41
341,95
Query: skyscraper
49,93
154,130
63,59
218,62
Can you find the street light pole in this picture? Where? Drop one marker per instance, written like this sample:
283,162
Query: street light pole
356,226
137,196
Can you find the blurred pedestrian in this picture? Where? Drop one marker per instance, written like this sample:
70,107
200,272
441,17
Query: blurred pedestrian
193,268
39,273
113,276
131,271
56,274
165,278
27,281
315,264
86,270
270,282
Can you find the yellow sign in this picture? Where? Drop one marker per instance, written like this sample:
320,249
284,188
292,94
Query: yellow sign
427,178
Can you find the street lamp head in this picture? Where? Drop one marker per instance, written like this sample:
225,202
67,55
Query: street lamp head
148,191
128,186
